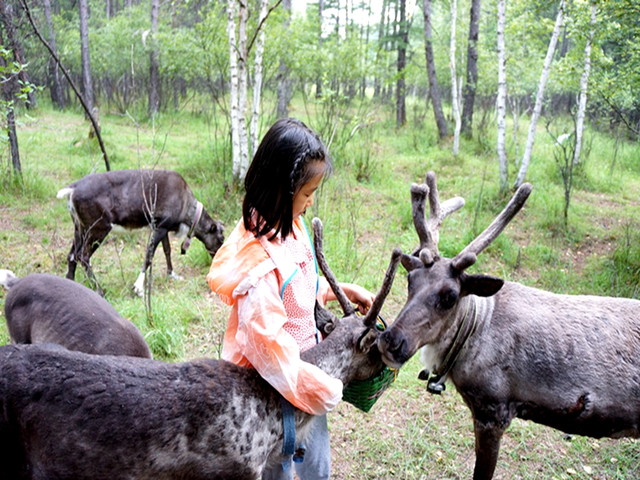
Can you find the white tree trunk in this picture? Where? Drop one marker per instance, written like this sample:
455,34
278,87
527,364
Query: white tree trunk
243,16
455,99
584,82
540,95
257,78
233,88
502,99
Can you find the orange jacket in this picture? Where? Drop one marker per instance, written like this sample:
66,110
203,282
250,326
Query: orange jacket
251,279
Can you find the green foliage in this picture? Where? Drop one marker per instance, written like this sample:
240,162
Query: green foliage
619,273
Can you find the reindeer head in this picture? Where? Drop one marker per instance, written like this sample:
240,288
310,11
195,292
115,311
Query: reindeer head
437,285
211,233
358,335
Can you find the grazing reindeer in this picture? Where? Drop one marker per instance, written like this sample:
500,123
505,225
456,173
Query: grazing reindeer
571,362
43,308
71,415
135,199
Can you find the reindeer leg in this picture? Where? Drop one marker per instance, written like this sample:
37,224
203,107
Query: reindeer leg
166,247
159,235
74,253
91,240
488,435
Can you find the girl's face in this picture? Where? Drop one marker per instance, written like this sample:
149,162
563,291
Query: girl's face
303,199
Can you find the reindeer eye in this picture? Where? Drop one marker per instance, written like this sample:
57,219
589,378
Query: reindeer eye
447,299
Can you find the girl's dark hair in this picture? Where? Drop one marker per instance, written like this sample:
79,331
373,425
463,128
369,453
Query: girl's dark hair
289,155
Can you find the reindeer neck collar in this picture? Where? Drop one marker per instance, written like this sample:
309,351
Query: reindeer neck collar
196,219
465,330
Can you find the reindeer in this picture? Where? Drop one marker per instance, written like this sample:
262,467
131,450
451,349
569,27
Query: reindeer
70,415
134,199
571,362
43,308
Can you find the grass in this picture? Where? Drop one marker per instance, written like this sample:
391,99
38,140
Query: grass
365,208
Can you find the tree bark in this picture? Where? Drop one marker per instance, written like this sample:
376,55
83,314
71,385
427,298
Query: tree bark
55,82
584,83
455,103
232,11
320,22
13,44
501,100
284,82
87,87
403,42
544,76
154,75
9,89
243,55
434,91
469,95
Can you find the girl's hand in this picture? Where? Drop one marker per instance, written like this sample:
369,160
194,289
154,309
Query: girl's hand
362,297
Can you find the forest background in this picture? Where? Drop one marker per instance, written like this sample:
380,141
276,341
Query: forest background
487,94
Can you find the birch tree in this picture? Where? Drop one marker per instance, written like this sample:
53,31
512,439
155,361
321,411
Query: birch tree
501,99
434,90
544,76
239,149
239,50
455,103
584,82
257,78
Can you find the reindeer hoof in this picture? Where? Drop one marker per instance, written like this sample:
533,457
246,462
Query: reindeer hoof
423,375
175,276
138,287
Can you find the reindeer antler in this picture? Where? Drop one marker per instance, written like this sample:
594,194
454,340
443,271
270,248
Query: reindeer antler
373,312
428,230
346,305
490,233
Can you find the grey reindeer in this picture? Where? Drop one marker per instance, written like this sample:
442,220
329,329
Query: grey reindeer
571,362
133,199
70,415
44,308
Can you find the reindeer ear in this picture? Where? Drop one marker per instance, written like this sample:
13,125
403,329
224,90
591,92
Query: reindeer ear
480,285
367,340
409,262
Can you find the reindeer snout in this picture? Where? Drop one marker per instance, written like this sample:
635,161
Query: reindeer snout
393,347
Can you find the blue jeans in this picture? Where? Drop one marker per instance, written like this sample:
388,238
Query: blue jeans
317,458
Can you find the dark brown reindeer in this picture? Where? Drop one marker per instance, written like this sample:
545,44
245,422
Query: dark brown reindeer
43,308
70,415
571,362
133,199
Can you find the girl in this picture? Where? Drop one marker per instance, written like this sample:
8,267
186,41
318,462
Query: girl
267,271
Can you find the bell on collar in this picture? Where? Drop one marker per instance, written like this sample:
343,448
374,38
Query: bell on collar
436,385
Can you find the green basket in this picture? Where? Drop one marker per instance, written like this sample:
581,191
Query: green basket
363,394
